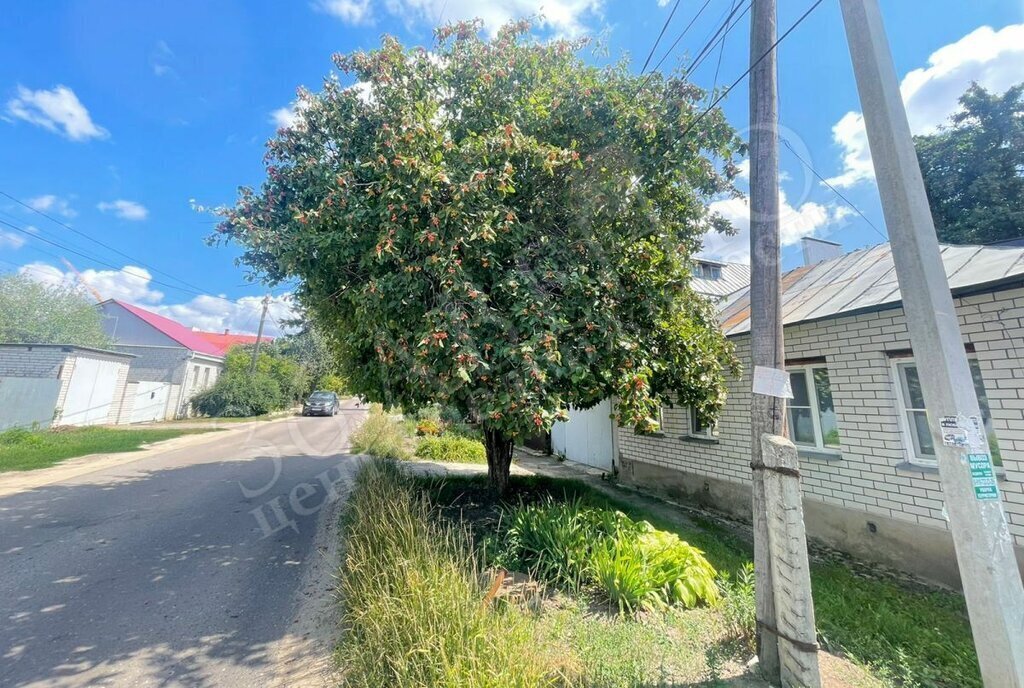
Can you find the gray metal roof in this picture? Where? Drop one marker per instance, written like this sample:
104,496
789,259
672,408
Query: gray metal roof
735,277
865,280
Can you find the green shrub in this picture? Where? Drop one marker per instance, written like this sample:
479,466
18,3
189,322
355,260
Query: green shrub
21,437
239,396
380,436
428,426
634,565
451,449
412,599
737,604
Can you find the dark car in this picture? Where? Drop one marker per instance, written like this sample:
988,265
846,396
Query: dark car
321,404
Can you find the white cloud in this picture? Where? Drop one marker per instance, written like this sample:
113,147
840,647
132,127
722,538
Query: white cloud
134,285
991,58
11,240
795,223
349,11
564,17
131,283
57,110
288,117
126,210
162,59
51,203
241,316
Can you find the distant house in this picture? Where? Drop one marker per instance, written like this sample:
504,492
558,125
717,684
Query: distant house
172,363
857,414
588,436
226,340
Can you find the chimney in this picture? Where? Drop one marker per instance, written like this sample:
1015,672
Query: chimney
227,331
818,250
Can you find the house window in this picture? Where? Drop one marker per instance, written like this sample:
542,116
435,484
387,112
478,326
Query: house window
195,376
206,378
914,415
811,411
702,429
707,271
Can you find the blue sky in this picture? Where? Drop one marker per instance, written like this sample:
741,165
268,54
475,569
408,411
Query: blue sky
116,117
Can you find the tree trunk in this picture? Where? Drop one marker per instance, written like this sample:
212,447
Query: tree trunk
499,458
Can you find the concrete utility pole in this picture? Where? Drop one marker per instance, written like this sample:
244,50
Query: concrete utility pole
766,412
984,548
259,334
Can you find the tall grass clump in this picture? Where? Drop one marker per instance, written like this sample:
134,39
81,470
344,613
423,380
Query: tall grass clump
450,448
381,436
414,603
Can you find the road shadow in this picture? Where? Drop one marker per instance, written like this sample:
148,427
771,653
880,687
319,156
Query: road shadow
164,577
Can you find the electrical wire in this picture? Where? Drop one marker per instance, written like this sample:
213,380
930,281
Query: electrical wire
834,190
671,48
664,27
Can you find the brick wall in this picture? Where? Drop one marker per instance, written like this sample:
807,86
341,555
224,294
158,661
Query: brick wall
156,363
31,361
872,474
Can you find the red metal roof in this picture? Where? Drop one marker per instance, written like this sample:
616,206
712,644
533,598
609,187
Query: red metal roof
225,341
174,330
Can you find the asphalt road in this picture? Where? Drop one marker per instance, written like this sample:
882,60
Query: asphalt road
180,569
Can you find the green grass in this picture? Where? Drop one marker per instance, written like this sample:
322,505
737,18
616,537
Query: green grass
382,436
23,450
451,448
910,636
414,609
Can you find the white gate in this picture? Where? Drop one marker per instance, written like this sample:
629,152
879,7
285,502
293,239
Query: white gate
586,437
150,401
90,392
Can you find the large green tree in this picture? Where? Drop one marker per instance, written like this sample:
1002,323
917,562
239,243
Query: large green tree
500,227
974,168
36,313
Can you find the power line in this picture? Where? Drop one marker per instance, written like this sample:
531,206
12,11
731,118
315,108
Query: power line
699,60
672,47
834,190
721,52
100,243
664,27
106,264
744,75
726,26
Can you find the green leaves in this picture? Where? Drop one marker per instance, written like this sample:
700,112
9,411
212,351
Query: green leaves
498,227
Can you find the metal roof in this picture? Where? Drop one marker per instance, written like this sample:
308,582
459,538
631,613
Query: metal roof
735,277
866,280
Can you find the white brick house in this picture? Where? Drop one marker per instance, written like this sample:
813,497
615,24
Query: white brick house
869,478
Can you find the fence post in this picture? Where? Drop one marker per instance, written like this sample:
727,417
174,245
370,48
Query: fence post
791,575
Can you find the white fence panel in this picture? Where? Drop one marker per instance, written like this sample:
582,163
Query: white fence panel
586,437
150,403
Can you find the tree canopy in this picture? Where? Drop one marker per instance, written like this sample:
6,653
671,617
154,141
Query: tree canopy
498,226
36,313
974,168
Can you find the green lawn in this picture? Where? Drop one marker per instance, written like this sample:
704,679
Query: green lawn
908,636
23,450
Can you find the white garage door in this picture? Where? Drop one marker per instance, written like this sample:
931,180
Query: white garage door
91,392
150,402
586,437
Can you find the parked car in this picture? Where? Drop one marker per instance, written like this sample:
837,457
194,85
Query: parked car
321,404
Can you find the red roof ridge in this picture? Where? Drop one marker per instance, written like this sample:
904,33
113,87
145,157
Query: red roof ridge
171,328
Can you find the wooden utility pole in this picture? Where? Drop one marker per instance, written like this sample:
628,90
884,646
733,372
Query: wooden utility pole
766,412
259,334
984,547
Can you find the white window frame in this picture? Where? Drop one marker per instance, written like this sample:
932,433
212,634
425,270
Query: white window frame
708,433
906,430
812,396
